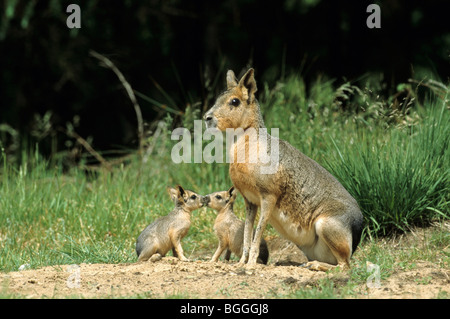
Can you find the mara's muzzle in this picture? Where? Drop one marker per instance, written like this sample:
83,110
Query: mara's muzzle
205,201
210,120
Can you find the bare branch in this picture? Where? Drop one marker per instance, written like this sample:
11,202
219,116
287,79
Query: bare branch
87,146
109,64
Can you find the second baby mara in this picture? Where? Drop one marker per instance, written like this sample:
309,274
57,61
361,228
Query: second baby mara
166,232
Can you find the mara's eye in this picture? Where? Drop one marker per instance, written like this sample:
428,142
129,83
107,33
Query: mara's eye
218,197
193,197
235,102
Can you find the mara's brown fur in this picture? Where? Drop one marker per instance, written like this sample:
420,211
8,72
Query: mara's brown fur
230,229
166,232
300,199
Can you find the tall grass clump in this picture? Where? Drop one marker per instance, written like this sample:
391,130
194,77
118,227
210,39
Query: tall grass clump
402,179
392,155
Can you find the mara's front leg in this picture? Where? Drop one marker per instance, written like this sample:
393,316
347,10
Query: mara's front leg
268,203
250,215
218,252
175,239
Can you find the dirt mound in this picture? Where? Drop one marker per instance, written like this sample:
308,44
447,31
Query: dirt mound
161,279
202,279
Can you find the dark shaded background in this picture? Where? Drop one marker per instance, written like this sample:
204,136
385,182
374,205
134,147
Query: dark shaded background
177,52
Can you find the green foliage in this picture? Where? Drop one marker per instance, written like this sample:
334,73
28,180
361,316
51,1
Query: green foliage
397,171
394,161
186,47
400,178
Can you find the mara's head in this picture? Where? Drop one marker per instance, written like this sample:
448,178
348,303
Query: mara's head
237,107
186,198
219,200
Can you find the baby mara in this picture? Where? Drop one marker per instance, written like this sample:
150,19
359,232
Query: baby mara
230,229
166,232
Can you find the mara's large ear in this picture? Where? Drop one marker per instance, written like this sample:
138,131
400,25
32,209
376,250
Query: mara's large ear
181,193
173,193
247,85
231,80
231,193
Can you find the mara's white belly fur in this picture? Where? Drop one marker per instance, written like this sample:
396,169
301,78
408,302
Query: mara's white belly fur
288,228
252,197
292,230
305,238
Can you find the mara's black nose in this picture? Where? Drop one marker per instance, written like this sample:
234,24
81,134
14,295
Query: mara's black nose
205,200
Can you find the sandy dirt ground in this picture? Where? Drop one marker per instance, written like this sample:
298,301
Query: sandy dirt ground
202,279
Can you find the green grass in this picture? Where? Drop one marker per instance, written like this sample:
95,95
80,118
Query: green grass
391,255
401,180
394,163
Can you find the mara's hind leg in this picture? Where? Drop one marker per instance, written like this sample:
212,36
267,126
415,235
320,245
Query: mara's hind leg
333,247
149,253
156,257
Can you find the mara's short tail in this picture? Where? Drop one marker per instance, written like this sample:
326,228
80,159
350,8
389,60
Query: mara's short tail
138,250
357,226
